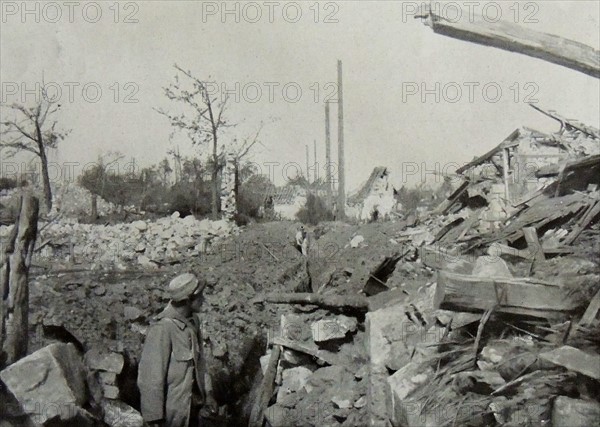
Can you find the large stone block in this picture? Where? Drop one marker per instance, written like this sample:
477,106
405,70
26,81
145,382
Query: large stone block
49,385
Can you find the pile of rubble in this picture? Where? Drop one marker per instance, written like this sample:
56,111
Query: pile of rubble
147,244
318,362
510,246
547,181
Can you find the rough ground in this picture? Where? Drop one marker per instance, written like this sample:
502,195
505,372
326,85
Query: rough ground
111,310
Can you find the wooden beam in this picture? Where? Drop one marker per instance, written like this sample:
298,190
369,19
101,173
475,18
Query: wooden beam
341,203
593,210
501,249
514,38
352,302
523,296
592,311
267,385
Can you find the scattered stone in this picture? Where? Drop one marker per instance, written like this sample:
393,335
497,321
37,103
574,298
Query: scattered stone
100,290
110,391
109,378
140,225
119,414
145,262
99,360
342,402
361,402
328,329
293,380
132,313
356,241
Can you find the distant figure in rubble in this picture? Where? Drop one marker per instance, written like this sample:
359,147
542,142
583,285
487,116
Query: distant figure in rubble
173,381
302,240
269,207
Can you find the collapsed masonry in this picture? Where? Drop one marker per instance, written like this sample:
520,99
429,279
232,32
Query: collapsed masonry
482,312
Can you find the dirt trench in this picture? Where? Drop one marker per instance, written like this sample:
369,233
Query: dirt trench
112,310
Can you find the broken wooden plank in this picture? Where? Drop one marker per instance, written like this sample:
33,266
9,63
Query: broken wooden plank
593,210
266,390
574,360
350,302
569,164
443,207
592,311
523,296
514,38
501,249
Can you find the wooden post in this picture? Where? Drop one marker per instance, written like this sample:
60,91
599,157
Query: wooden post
316,164
307,168
328,157
341,204
14,290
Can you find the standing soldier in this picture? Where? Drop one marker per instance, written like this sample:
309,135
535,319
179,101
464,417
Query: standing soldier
302,241
172,377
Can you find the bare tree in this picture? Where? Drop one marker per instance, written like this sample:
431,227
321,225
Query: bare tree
205,122
33,130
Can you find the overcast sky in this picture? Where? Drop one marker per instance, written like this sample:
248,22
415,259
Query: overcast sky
385,53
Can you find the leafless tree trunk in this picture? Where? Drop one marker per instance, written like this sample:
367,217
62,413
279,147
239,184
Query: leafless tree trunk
30,130
14,288
94,207
205,123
